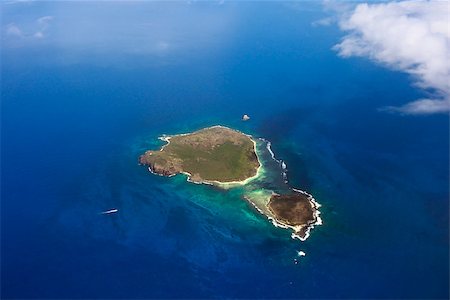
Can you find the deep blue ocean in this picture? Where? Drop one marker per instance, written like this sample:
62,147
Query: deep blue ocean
78,108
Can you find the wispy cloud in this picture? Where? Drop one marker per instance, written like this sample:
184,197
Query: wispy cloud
13,30
18,1
421,107
411,36
38,31
44,23
323,22
45,20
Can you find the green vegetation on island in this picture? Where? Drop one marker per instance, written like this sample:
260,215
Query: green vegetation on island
214,154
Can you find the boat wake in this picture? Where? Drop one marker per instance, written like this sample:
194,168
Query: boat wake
111,211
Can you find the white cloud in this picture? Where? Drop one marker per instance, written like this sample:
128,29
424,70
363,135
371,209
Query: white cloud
421,107
18,1
38,31
411,36
45,20
44,23
323,22
39,35
13,30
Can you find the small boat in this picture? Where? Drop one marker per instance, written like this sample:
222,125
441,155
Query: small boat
111,211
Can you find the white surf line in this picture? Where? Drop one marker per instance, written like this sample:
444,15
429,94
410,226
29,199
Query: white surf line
313,202
269,215
279,161
318,220
166,138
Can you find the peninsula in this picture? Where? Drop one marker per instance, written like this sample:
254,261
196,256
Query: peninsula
214,155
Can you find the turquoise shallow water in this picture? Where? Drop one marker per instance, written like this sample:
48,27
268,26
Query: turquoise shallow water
75,117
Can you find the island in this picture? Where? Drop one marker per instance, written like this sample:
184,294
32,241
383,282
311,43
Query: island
214,155
297,210
225,157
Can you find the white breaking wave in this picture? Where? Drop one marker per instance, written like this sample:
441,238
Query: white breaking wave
279,161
